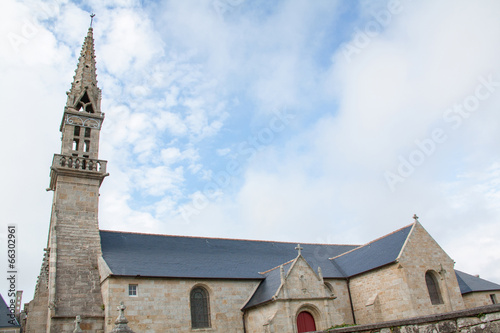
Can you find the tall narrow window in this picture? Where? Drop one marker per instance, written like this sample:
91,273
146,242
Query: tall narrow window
87,132
76,131
200,308
433,288
75,144
493,298
86,146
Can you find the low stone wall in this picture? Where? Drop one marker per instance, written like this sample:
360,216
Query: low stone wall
482,319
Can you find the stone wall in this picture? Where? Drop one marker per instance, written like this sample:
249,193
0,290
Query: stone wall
162,305
421,254
341,303
37,310
478,320
74,243
72,287
281,315
399,290
380,295
481,298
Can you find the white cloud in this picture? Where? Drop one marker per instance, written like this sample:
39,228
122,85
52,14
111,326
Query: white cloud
131,44
156,181
223,151
172,122
392,94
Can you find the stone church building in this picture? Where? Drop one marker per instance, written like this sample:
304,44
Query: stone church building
196,284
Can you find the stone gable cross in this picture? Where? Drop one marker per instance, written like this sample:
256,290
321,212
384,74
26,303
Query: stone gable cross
299,248
121,322
415,217
121,317
78,320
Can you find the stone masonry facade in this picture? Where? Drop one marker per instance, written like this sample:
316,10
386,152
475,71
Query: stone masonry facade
162,305
74,238
399,290
482,298
302,289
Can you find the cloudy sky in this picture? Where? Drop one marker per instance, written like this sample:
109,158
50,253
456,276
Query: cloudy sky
305,121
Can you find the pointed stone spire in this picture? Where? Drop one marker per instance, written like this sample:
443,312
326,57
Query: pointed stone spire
82,118
84,94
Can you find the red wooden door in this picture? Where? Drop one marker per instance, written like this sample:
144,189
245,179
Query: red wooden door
305,322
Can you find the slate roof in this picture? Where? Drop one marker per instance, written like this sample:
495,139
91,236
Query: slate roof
5,315
133,254
377,253
268,287
470,283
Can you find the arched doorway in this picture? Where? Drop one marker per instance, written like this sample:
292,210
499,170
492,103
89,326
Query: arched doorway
305,322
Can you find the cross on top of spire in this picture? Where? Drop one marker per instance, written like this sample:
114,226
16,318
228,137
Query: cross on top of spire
415,217
91,19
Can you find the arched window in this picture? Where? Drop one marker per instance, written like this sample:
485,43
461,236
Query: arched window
433,288
200,308
330,288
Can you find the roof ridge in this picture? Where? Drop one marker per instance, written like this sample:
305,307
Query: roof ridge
373,241
224,238
272,269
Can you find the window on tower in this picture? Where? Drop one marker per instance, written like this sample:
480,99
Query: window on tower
75,144
87,132
86,146
76,131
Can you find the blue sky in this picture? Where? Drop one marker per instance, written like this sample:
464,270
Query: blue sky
303,121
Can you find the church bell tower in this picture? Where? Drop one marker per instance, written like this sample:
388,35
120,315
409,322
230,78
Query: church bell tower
69,283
